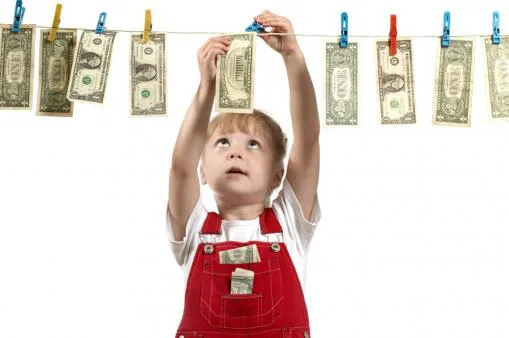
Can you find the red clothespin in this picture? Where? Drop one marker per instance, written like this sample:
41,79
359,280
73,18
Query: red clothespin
393,34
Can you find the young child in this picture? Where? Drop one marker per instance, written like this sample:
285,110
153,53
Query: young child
242,161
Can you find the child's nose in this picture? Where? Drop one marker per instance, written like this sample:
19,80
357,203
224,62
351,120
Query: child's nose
234,154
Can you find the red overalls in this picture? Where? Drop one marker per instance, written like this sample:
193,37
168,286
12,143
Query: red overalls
276,307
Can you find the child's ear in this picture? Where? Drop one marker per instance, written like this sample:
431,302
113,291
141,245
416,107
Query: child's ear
202,175
278,178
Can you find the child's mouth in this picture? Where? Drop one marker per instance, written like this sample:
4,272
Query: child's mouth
235,170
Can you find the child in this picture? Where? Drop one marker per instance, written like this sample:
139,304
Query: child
242,161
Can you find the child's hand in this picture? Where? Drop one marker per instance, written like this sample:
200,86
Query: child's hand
208,56
284,44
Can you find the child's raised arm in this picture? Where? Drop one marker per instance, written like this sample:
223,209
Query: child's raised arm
184,185
304,162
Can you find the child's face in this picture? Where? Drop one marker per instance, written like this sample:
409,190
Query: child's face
252,154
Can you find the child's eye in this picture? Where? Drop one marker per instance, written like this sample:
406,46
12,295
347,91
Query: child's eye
254,142
220,141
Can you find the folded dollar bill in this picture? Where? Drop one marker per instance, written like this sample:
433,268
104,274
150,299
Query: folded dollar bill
242,282
244,254
496,70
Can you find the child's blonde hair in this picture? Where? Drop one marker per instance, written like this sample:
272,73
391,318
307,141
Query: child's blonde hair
254,123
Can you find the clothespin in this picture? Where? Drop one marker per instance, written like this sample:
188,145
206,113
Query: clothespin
56,23
100,24
148,26
344,30
447,29
393,34
19,12
496,28
255,27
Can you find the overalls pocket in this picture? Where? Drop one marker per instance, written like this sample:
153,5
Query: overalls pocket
241,311
224,310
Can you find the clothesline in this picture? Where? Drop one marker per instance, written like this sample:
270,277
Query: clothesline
270,33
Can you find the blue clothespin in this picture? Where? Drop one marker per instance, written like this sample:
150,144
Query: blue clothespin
447,29
100,24
496,28
344,30
19,12
255,27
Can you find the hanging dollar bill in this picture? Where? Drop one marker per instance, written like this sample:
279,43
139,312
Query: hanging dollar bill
497,76
341,84
242,282
148,75
244,254
453,83
235,76
91,66
55,63
395,80
16,67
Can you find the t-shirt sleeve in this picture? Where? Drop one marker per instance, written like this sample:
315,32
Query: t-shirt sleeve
182,249
299,228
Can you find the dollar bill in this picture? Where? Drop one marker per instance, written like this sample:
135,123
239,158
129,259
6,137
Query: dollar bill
395,81
55,63
16,67
497,76
91,66
242,282
148,75
244,254
341,84
453,83
235,76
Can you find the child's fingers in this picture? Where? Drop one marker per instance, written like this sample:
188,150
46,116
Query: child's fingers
224,38
205,51
281,23
220,45
213,52
276,22
268,15
211,55
221,39
214,46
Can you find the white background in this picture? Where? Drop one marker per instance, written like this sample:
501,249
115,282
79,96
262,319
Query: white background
414,229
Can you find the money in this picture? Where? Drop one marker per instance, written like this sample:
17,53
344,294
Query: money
395,81
497,75
341,84
55,62
148,75
16,67
91,66
242,282
235,76
453,83
244,254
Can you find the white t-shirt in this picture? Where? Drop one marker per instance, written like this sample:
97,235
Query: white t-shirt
297,230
